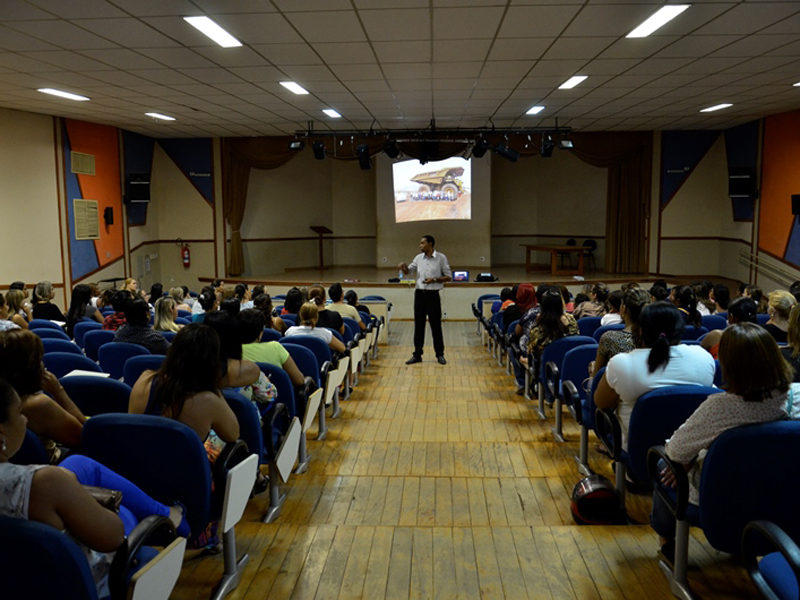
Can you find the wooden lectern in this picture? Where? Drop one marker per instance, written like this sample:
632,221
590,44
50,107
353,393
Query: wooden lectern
321,230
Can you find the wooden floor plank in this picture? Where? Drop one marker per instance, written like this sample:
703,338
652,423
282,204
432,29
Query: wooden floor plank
399,579
356,569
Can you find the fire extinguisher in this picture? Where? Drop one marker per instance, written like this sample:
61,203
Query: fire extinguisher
185,256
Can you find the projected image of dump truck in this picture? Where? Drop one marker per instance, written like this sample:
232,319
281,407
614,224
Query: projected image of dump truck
439,185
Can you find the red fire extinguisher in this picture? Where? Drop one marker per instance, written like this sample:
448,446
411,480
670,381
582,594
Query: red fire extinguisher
186,256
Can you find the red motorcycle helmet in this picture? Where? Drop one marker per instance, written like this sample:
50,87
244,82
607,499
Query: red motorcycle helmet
595,501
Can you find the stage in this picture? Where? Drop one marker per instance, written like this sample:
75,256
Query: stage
457,297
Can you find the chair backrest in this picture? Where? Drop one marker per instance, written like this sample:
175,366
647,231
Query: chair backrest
352,325
32,452
59,345
97,395
107,312
304,359
43,324
712,322
82,328
374,297
365,318
27,543
762,318
279,297
571,242
590,244
718,381
692,333
94,338
290,318
185,314
589,407
249,421
169,335
183,320
45,333
112,356
555,351
271,335
484,297
598,333
655,417
575,366
588,325
280,379
321,350
136,365
61,363
134,445
749,474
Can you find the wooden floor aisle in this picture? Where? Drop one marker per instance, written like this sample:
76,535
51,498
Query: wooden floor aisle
439,482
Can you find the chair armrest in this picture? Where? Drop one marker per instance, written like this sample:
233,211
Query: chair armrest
759,535
323,372
571,397
551,378
678,505
154,530
269,427
609,431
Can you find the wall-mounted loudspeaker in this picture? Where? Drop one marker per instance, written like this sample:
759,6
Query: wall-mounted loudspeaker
137,188
741,182
796,204
108,215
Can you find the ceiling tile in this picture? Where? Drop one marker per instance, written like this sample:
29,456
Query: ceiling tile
578,47
696,46
466,23
608,20
536,21
300,73
76,9
367,85
140,8
256,28
460,70
389,52
311,5
638,48
257,74
288,54
21,10
520,49
397,25
62,34
13,40
213,7
342,53
357,72
177,58
749,18
462,50
407,71
128,32
120,58
68,60
328,26
507,68
232,57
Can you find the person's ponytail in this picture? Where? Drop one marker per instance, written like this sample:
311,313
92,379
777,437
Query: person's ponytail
659,353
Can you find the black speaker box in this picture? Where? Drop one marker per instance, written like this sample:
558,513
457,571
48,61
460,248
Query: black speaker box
108,215
137,188
741,182
796,204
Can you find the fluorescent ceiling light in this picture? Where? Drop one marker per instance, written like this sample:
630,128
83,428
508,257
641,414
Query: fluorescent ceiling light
535,110
61,94
796,84
716,107
572,82
660,18
293,87
331,113
160,116
208,27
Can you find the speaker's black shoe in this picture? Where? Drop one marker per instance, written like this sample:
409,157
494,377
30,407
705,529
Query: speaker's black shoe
414,359
442,360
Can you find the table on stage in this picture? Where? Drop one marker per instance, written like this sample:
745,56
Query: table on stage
554,251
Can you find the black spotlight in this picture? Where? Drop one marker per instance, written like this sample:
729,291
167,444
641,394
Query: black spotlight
319,150
506,152
297,145
480,148
391,149
363,157
547,146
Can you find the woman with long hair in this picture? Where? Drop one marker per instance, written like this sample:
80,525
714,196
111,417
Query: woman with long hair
757,294
662,361
307,325
757,381
14,300
683,297
792,351
263,303
6,324
780,306
80,307
617,341
51,414
156,292
166,313
325,318
551,324
177,294
741,310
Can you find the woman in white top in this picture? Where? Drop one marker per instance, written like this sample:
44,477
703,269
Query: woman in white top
662,362
307,318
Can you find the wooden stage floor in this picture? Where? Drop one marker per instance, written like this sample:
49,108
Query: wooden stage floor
438,481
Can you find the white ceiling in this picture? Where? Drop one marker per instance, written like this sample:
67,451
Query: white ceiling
396,64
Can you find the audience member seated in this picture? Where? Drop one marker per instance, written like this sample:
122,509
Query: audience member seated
340,306
27,305
293,302
326,318
741,310
658,292
206,303
187,389
757,380
255,292
237,372
137,328
580,298
794,290
56,497
51,414
662,361
231,306
242,294
595,307
613,303
263,303
5,323
755,292
119,301
701,290
16,314
96,293
352,299
178,295
307,325
166,313
618,341
528,320
524,299
80,308
721,296
792,351
683,297
251,326
506,300
156,292
44,307
551,324
132,285
780,306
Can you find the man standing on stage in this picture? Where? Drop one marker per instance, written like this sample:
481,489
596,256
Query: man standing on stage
433,271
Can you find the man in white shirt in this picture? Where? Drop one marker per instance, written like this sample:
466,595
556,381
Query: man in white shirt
433,271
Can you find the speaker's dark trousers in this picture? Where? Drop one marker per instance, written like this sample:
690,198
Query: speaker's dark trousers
428,305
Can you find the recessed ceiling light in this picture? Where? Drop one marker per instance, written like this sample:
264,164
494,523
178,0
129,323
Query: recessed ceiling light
331,113
535,110
293,87
61,94
160,116
716,107
796,84
572,82
660,18
209,28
